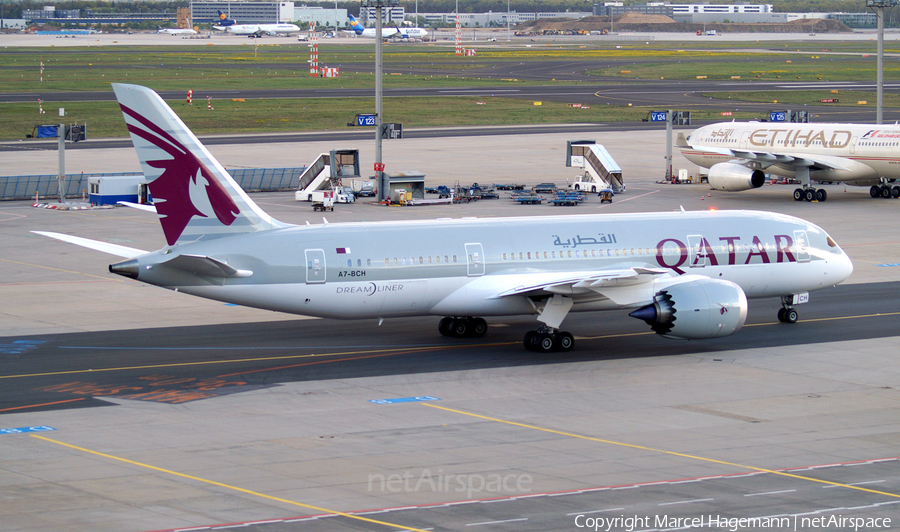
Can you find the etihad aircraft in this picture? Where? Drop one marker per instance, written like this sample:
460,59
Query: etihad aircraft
687,274
176,31
228,25
386,33
739,154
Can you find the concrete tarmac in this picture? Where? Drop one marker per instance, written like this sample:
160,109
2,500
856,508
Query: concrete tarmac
764,424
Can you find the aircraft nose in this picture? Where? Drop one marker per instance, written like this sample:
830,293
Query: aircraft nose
845,267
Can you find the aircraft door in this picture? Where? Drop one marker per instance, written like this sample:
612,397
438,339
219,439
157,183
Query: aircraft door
745,140
801,244
315,266
474,260
696,252
852,145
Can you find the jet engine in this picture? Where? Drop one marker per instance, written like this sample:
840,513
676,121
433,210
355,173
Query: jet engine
699,308
735,177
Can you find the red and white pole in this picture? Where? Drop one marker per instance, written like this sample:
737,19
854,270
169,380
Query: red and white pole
42,69
458,36
40,107
208,104
189,95
313,51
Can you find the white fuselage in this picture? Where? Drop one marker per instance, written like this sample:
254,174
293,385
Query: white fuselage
856,154
250,29
473,267
394,33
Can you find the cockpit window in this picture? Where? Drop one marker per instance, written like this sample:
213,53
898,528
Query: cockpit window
832,243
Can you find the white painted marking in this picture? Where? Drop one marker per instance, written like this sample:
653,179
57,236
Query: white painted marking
855,484
497,522
767,493
684,502
596,511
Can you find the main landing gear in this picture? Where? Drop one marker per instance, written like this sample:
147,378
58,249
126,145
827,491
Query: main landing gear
466,327
885,191
547,339
807,192
810,194
787,313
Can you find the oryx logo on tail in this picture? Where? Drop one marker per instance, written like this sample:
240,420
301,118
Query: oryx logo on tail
186,187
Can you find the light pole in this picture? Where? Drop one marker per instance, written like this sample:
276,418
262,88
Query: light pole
383,185
878,6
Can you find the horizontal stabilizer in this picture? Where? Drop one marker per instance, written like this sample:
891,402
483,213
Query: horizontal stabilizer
138,206
105,247
206,266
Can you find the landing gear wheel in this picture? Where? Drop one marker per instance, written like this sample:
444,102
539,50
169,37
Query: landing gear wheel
479,327
565,341
821,194
875,191
444,326
895,192
459,328
781,312
885,191
545,342
530,340
810,194
791,315
798,194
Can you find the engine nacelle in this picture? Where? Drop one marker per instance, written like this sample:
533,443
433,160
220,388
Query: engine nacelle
735,177
694,309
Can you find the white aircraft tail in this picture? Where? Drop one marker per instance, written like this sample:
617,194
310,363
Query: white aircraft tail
194,196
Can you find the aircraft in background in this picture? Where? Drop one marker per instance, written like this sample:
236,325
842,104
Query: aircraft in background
686,274
739,154
228,25
386,33
176,31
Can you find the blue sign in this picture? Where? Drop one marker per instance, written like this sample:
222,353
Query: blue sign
365,119
777,116
658,116
23,430
404,400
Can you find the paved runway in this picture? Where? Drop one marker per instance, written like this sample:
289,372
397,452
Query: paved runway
152,410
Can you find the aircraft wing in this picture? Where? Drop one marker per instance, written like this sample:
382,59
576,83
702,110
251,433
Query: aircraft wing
624,287
766,159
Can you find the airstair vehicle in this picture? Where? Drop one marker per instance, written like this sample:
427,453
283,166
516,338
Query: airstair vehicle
600,170
327,171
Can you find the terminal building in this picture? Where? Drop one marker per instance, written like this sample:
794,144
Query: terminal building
323,17
721,13
243,12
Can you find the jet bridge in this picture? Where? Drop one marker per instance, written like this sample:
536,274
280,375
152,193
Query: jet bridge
600,169
327,171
